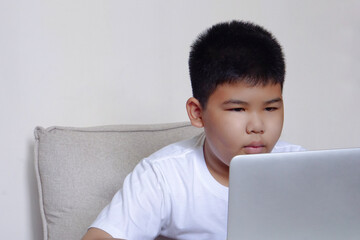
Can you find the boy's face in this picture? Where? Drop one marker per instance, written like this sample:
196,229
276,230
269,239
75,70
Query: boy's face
241,119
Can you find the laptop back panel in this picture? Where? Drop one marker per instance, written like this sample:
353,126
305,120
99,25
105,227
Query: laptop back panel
303,195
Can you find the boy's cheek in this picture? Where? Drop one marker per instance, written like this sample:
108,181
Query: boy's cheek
277,120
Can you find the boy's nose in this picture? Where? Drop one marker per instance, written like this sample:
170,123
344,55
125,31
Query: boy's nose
255,125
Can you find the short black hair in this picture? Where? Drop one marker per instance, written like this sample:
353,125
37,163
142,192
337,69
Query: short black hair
232,52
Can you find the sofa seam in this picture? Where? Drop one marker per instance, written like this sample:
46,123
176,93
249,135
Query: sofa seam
74,129
40,190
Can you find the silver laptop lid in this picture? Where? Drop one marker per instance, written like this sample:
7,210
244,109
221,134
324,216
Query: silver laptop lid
293,196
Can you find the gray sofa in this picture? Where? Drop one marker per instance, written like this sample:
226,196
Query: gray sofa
79,169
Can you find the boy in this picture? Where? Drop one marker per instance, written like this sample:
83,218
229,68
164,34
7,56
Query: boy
237,72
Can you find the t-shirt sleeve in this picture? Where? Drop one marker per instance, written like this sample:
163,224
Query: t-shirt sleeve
137,211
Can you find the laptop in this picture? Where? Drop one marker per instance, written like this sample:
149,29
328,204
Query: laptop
295,196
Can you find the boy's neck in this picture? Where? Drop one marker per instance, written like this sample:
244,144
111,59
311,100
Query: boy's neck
218,169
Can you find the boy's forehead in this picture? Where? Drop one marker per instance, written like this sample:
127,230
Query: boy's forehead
251,83
243,91
242,88
239,86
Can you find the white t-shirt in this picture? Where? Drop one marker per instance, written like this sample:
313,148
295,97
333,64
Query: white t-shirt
171,193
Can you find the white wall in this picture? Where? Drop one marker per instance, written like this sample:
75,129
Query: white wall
85,63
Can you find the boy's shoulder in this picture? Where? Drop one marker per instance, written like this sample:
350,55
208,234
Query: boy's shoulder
193,146
282,146
178,149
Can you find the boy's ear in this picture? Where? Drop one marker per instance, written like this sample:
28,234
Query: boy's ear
194,112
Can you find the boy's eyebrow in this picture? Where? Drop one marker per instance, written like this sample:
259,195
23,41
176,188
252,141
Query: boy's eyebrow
275,100
240,102
235,101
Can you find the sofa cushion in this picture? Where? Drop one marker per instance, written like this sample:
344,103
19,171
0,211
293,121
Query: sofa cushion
80,169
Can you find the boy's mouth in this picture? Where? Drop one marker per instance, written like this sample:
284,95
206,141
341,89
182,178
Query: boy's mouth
254,147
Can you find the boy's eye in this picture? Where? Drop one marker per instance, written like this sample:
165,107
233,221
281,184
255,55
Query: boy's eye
271,109
237,109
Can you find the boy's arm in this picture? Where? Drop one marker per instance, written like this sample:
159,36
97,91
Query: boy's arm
97,234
